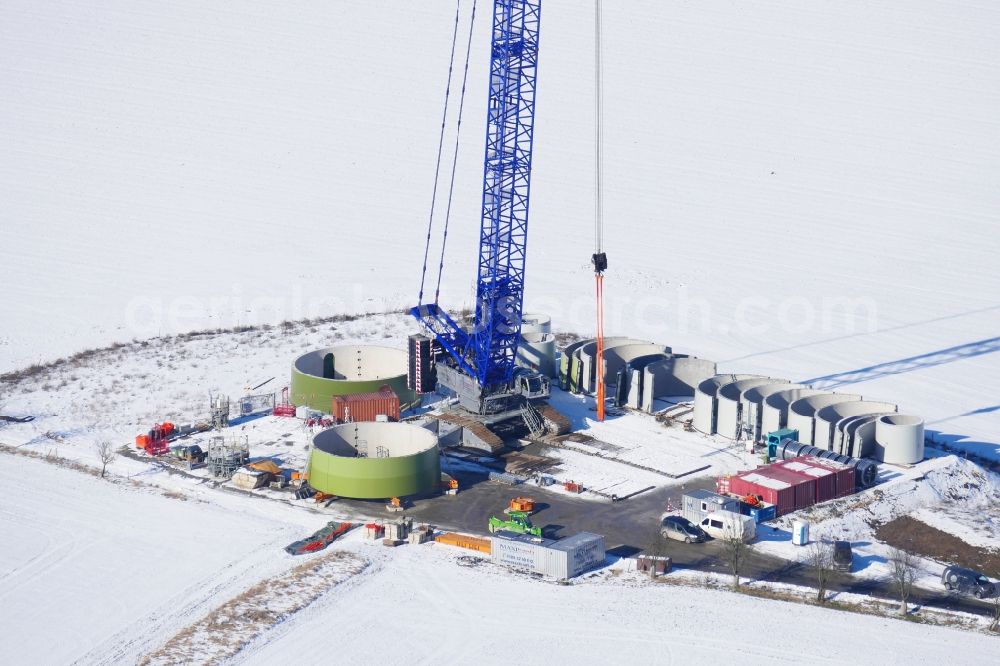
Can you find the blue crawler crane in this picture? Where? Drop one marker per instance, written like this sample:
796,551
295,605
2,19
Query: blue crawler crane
479,364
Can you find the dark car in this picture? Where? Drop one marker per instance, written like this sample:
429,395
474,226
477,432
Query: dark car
681,529
843,556
968,581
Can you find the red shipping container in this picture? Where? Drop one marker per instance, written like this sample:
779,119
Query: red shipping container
366,406
805,486
844,474
825,478
779,493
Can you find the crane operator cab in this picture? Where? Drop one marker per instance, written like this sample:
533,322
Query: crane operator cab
531,385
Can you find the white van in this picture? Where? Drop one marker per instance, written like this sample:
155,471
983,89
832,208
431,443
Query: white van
720,524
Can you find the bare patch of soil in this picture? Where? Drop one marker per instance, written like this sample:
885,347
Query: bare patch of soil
916,537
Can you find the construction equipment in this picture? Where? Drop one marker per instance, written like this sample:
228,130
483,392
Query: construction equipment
517,521
284,408
305,492
157,441
448,484
479,362
191,453
524,505
599,258
394,505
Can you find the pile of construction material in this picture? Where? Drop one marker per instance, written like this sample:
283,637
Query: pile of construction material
192,454
259,474
639,370
749,407
421,534
397,531
467,541
320,539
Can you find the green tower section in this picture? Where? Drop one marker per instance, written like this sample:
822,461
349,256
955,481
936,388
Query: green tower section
348,370
375,461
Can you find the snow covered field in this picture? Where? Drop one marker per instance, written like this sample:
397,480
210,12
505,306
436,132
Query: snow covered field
105,572
200,165
805,190
604,619
154,565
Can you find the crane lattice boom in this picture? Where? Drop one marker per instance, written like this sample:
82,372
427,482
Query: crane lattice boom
488,352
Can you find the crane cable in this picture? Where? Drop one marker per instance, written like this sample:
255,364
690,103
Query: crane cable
454,161
599,259
598,134
437,168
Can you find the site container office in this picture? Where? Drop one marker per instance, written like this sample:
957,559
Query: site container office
555,559
697,504
583,551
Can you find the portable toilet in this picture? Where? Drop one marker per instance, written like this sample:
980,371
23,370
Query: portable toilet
800,533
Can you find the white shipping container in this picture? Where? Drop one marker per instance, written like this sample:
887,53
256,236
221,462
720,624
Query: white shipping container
556,559
584,551
517,551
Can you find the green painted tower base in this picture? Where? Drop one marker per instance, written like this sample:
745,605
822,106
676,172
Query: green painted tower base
348,370
375,460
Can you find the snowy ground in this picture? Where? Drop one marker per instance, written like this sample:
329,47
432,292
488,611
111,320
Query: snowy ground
951,494
639,439
793,189
155,565
802,190
104,572
602,618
